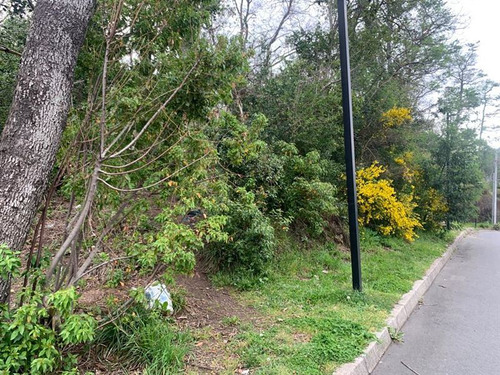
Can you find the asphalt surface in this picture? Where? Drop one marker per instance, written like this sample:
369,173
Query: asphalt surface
456,331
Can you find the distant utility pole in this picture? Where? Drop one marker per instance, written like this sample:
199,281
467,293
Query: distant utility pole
495,189
349,147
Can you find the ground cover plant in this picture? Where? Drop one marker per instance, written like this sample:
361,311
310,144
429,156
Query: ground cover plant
315,320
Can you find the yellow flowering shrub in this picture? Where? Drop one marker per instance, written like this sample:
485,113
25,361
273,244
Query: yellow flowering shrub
432,208
404,162
381,209
431,204
396,116
399,161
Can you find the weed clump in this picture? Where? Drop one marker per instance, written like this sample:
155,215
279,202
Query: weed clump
143,339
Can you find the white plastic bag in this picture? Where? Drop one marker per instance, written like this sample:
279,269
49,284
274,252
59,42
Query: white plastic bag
158,292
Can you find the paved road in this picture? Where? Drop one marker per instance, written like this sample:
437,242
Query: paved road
457,329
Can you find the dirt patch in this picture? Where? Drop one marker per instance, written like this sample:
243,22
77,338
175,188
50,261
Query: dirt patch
214,316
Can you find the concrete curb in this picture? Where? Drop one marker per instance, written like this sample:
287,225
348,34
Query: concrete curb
366,362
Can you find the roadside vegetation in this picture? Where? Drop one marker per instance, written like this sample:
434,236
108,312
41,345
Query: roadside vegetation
314,320
196,147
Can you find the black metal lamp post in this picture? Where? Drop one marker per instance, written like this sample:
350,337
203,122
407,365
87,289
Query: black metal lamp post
349,147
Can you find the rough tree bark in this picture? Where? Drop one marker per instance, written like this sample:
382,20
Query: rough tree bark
37,117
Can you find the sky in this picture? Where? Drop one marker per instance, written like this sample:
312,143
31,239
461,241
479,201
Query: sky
483,26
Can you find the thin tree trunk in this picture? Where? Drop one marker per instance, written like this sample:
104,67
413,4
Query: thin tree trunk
37,117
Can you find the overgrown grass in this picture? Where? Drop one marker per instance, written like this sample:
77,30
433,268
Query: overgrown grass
145,340
316,321
479,225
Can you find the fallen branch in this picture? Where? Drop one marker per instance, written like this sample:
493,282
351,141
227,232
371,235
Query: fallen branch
119,216
201,366
11,51
409,368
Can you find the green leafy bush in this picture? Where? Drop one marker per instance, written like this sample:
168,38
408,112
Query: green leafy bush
304,198
36,335
267,187
251,237
288,187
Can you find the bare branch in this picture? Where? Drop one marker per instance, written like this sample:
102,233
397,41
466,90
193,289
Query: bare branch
91,191
103,93
278,31
157,182
75,280
155,115
144,154
144,165
109,37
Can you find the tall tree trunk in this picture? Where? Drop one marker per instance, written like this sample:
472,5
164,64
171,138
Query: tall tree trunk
37,117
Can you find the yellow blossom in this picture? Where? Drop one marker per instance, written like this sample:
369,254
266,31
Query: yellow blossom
396,116
381,208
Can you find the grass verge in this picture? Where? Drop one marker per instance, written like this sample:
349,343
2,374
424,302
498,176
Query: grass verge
316,322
